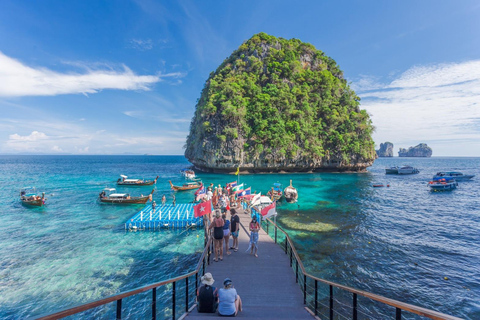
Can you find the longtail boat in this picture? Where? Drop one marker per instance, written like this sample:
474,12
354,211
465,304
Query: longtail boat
188,174
276,192
186,186
109,195
29,197
290,193
123,181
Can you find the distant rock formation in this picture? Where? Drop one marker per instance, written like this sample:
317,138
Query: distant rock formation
386,150
422,150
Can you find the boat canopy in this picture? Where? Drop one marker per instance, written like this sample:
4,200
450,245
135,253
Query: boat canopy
277,186
123,176
118,195
447,179
131,180
262,200
109,189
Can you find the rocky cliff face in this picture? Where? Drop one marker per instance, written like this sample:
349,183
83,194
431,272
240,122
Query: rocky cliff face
279,105
386,150
421,150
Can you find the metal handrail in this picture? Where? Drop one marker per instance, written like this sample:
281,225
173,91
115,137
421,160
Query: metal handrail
391,302
118,297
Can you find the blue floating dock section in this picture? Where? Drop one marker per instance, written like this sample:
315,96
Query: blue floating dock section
165,217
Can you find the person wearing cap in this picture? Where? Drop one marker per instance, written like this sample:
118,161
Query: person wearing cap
207,295
229,302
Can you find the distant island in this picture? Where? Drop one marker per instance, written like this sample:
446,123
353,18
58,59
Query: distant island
421,150
277,105
386,150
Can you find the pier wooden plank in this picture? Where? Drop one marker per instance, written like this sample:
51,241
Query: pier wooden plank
265,284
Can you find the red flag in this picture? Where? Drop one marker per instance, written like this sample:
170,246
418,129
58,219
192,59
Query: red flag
269,211
202,208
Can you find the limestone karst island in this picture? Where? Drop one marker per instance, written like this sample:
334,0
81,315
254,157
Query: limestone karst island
420,150
279,105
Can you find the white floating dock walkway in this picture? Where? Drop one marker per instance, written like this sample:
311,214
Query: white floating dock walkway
165,217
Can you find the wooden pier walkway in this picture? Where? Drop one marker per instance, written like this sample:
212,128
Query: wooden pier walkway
265,284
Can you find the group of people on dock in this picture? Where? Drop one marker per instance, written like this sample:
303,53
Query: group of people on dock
224,201
222,229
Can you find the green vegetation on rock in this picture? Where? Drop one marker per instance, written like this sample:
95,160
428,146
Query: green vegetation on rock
278,104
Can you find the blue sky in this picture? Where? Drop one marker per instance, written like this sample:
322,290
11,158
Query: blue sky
115,77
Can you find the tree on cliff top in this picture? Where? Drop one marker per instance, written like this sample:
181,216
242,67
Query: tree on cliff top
281,98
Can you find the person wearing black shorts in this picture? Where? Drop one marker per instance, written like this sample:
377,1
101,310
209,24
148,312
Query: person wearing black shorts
235,228
217,226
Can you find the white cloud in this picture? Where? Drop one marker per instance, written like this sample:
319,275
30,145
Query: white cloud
57,149
18,79
438,105
34,136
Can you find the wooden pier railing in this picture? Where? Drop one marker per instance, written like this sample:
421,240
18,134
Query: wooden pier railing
310,297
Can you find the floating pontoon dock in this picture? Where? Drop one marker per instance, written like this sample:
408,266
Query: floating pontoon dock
165,217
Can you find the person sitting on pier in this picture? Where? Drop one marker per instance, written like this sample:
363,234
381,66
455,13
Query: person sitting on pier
207,295
229,302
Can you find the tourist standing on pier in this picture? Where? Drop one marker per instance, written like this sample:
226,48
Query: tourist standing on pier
174,200
207,295
226,233
254,228
217,225
215,198
229,302
209,194
154,204
234,228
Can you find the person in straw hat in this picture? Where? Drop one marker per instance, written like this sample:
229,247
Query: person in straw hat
207,295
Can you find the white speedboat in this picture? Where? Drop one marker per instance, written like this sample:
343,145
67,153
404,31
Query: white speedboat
407,170
401,170
391,170
443,184
458,176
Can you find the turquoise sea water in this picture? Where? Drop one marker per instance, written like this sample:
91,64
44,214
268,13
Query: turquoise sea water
399,242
